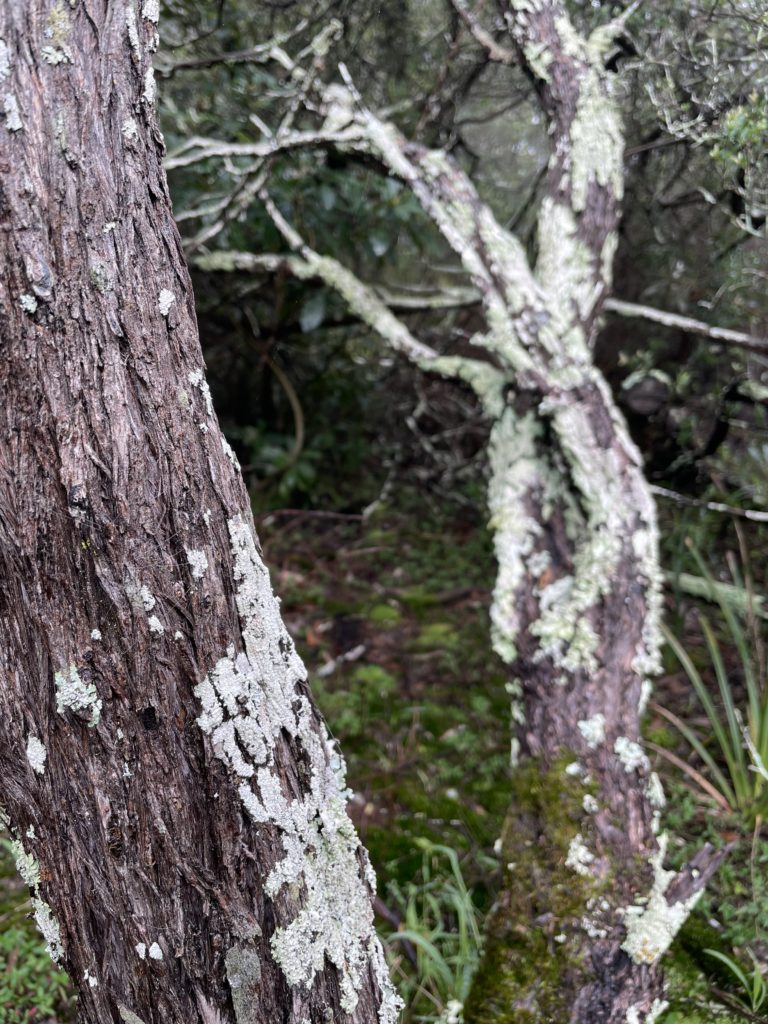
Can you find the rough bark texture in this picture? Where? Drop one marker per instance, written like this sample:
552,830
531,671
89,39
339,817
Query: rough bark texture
587,909
177,808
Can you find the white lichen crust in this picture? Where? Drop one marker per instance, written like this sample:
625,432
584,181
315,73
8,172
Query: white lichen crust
198,561
652,925
579,857
36,754
248,700
165,300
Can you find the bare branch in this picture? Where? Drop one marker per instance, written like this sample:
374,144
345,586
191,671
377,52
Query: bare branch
753,515
201,149
687,323
495,51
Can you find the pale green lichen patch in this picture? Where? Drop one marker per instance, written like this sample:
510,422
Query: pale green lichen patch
248,701
597,141
100,277
12,115
36,754
29,869
128,1016
652,925
197,379
28,303
49,929
72,694
151,10
57,30
519,478
648,1017
243,968
26,864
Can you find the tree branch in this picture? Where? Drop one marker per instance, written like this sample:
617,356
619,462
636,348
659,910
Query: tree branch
687,323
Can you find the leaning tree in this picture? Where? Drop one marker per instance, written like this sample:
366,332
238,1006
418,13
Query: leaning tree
587,908
176,806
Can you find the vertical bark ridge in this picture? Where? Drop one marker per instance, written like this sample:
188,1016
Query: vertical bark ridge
177,807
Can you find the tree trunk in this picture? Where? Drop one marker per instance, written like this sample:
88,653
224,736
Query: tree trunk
586,909
177,807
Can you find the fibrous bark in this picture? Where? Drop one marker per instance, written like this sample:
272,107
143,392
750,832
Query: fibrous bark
176,805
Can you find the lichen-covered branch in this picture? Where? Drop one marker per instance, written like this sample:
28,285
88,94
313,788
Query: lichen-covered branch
577,603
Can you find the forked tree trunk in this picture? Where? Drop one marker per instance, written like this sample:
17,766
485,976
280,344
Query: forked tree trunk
177,807
587,909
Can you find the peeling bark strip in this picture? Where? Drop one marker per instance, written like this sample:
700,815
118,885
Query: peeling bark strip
177,808
586,909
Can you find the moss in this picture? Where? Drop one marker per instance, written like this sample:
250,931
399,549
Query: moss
690,975
524,966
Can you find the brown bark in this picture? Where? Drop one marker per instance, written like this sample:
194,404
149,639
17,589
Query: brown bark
113,480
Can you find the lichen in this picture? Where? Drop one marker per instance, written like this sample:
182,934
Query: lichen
128,1016
248,700
100,277
12,115
57,30
155,625
72,694
652,925
26,864
243,968
133,31
96,634
28,303
165,300
631,755
155,952
198,561
650,1016
197,379
151,10
49,929
597,141
579,857
36,754
150,87
593,730
130,129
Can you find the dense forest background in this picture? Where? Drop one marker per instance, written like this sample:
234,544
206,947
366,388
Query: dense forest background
368,477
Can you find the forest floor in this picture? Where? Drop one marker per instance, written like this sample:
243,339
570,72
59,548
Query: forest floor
390,613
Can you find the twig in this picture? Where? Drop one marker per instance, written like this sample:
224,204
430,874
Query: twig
712,506
687,323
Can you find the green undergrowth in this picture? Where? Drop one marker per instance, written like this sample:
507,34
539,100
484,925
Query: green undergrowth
32,991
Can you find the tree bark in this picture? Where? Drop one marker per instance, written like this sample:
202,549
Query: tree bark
586,910
177,807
